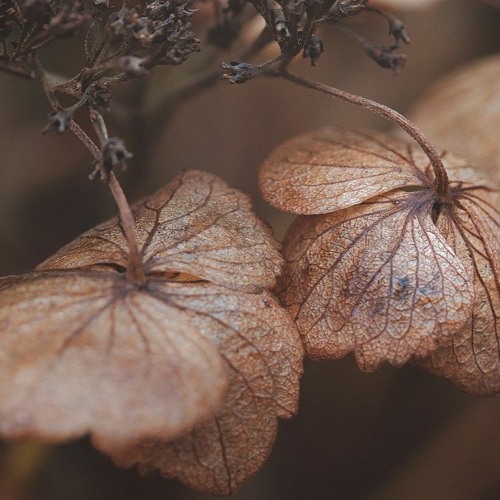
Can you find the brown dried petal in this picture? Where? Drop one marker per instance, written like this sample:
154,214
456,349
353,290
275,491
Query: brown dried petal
88,353
329,169
196,224
263,354
377,278
472,359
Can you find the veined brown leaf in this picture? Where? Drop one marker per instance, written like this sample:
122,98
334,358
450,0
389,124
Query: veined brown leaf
391,272
88,351
377,278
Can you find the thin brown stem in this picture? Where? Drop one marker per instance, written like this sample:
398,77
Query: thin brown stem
99,125
85,140
441,183
135,269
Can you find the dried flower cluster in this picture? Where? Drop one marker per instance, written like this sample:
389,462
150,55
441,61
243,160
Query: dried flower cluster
120,43
384,264
293,24
186,372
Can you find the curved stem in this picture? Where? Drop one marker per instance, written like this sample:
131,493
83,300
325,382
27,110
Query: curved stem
441,182
135,270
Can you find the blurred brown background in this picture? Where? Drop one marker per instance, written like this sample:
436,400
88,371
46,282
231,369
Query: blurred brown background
393,434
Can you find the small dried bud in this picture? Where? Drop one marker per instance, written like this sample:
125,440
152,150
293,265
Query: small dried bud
281,28
59,121
398,30
132,65
346,8
386,57
128,25
113,153
158,9
100,96
313,49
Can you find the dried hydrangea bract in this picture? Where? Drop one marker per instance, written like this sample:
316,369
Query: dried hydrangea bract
387,269
461,112
88,351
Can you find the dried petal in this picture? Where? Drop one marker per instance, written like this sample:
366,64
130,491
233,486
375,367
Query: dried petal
88,353
197,225
263,353
377,278
329,169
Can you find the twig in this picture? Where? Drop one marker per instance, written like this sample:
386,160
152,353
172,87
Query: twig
441,183
135,270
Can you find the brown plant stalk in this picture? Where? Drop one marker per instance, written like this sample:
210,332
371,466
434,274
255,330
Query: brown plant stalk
441,182
135,272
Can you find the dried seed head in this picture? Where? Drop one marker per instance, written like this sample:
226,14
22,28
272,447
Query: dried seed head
59,121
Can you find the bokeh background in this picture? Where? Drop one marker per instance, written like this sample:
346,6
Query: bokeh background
392,434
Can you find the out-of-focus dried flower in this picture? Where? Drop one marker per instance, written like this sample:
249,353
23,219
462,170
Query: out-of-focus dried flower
36,11
462,113
313,49
386,57
224,34
113,153
59,121
68,21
